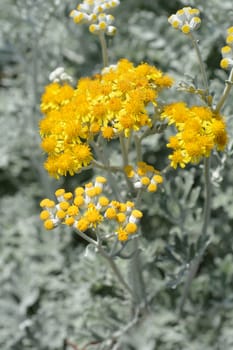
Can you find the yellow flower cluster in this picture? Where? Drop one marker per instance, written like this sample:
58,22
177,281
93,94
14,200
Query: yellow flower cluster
227,51
186,20
87,208
109,104
144,176
93,12
199,131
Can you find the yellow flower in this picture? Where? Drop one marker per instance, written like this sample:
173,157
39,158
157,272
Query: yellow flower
110,103
199,131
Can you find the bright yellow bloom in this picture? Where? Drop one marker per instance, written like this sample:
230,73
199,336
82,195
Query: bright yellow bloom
112,103
145,176
199,131
83,211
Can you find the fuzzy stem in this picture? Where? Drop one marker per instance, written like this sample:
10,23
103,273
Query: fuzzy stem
115,269
137,142
226,91
104,49
208,190
206,218
124,152
202,66
193,268
135,275
109,259
102,154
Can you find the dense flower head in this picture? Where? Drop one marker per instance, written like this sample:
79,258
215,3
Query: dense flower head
199,131
145,176
111,103
87,208
186,19
227,51
94,13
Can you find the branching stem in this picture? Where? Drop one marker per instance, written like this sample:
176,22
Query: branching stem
104,49
225,93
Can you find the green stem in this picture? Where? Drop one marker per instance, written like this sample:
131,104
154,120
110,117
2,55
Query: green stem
102,252
115,269
135,275
202,67
102,154
104,49
137,142
225,93
124,152
105,167
194,265
208,190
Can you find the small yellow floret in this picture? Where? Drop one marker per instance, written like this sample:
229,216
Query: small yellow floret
158,179
82,224
152,187
93,28
49,224
44,215
224,64
60,192
69,221
79,201
186,28
47,203
73,210
122,235
103,201
78,18
60,214
121,217
102,25
79,191
137,213
230,30
110,213
131,228
129,171
107,132
175,24
145,180
64,205
226,49
229,39
68,196
101,179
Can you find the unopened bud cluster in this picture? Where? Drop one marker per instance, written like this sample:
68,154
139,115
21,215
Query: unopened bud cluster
60,76
187,19
227,53
95,13
87,208
144,176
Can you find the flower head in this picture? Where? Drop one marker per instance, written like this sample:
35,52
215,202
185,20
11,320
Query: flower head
187,20
111,103
88,208
95,13
227,51
199,130
144,176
